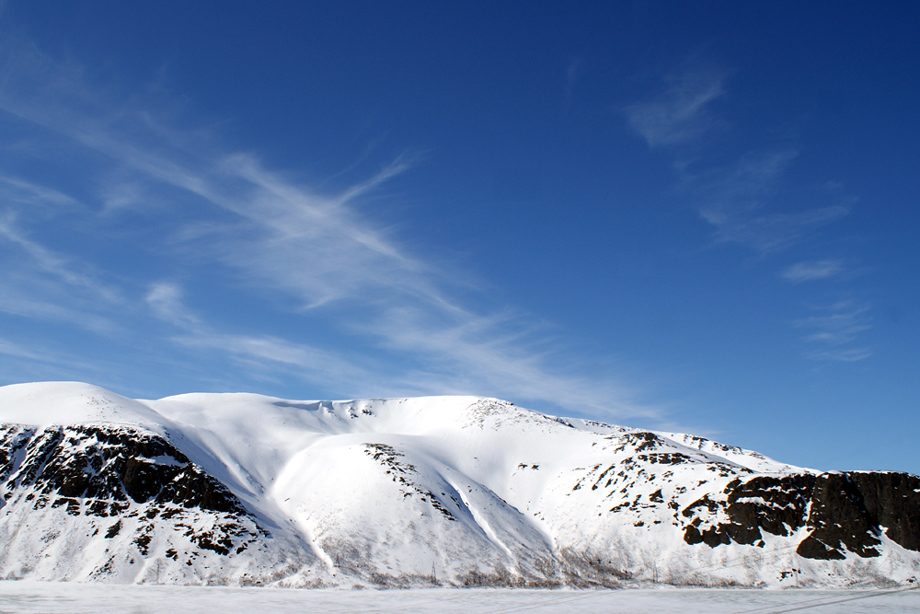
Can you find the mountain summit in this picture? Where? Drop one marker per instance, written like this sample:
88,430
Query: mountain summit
246,489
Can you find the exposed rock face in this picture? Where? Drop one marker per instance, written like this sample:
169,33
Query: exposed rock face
842,512
128,487
892,499
108,468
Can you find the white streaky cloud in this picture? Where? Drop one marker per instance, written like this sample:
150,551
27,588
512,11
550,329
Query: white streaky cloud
322,251
120,195
838,323
316,245
51,263
736,202
812,271
835,328
267,355
34,360
742,188
17,350
841,354
466,354
740,201
166,300
319,248
15,189
496,353
25,303
40,284
679,113
313,247
772,232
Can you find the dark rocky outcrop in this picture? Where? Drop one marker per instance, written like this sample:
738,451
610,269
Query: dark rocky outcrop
108,468
893,500
844,511
118,471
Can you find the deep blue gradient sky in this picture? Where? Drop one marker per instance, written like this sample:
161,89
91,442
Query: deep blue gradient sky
698,217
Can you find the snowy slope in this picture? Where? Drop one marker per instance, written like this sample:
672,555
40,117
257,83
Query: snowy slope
242,488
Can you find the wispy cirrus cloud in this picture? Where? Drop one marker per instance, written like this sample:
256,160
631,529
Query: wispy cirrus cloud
770,232
41,302
679,113
738,199
833,330
165,299
17,350
747,202
51,263
14,189
367,314
813,271
740,203
39,283
265,355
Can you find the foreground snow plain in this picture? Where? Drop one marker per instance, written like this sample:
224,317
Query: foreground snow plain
71,598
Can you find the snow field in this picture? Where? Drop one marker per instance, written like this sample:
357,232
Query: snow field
26,597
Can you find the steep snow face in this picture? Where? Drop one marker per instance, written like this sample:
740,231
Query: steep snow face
244,488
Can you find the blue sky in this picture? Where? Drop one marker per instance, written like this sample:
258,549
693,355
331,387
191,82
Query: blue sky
685,217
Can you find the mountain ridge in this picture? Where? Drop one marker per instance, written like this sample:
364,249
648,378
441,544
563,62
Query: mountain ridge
245,489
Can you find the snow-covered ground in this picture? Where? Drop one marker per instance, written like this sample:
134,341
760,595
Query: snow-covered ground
27,597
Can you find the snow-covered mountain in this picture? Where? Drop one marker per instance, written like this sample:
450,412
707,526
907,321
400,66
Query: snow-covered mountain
247,489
